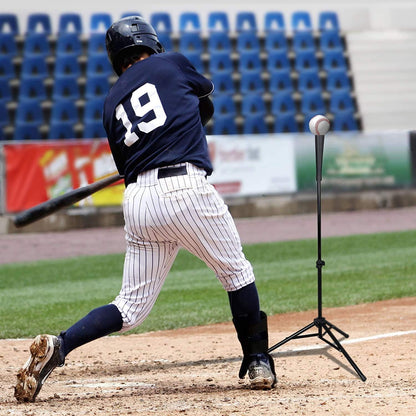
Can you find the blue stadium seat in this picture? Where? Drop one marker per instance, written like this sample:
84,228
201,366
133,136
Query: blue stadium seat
66,88
334,60
34,66
94,130
29,112
247,42
218,22
338,80
161,22
330,40
68,44
246,22
97,87
39,23
8,45
301,20
189,22
251,82
224,124
7,70
190,42
328,20
285,123
27,131
274,22
96,44
341,101
275,41
92,119
223,83
250,61
224,105
98,65
166,40
255,124
9,24
70,23
219,42
303,41
278,61
64,116
280,81
32,89
220,62
345,121
309,80
4,119
312,102
196,60
253,104
100,22
36,44
5,92
306,61
67,65
283,103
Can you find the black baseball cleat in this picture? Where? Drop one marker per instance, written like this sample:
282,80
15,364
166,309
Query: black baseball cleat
44,358
261,372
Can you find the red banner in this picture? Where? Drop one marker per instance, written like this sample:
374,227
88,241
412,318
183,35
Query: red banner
36,172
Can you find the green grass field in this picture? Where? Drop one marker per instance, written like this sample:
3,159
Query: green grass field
49,296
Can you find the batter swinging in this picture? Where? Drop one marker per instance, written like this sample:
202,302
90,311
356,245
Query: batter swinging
154,117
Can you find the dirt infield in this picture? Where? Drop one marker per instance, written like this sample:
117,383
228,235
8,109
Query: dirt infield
193,371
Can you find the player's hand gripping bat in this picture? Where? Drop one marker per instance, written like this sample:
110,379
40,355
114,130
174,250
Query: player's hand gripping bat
48,207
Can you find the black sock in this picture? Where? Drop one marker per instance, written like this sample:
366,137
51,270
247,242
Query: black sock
98,323
245,304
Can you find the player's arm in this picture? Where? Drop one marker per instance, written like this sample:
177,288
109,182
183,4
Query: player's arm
206,109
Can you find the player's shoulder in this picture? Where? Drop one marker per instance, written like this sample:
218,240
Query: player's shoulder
174,57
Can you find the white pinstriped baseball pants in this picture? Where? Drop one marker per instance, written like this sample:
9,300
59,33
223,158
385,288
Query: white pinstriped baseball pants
162,215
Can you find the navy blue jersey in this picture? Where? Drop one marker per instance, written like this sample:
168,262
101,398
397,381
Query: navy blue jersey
151,116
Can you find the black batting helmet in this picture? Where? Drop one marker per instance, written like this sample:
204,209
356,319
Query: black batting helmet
128,34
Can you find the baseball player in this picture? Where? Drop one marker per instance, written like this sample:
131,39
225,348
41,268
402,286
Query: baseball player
154,117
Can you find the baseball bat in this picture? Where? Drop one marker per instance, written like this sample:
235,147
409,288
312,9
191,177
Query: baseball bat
55,204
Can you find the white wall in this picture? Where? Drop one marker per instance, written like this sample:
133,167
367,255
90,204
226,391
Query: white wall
353,14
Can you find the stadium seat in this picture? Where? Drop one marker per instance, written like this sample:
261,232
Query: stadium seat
301,20
66,88
278,61
8,45
94,130
334,60
341,101
32,89
220,62
34,66
7,70
224,105
100,22
97,87
303,41
166,40
9,24
96,44
253,104
306,61
280,81
251,82
285,123
70,23
92,119
36,44
68,44
250,61
345,121
330,40
98,65
67,65
275,41
219,42
4,119
190,42
283,103
247,42
189,22
246,22
218,22
5,92
161,22
309,80
224,124
29,112
312,102
39,23
254,124
338,80
196,60
27,131
274,22
223,83
328,20
63,118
